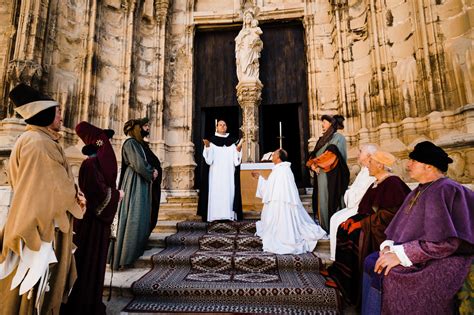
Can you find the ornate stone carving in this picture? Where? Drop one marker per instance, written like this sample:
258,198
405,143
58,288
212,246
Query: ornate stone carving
406,76
4,180
26,71
249,98
249,93
157,9
178,177
148,10
248,127
161,9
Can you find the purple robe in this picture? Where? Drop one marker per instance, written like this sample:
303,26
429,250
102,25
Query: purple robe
436,231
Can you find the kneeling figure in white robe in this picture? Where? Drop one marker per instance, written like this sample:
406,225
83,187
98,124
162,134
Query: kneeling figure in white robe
285,226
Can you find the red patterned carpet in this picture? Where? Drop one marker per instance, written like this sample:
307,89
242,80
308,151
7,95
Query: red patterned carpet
220,267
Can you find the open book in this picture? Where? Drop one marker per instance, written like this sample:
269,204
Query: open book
267,157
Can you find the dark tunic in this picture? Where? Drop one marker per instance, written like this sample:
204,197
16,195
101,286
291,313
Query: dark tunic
376,209
155,186
204,188
92,239
338,181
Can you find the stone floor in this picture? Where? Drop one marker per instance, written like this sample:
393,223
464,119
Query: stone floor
116,304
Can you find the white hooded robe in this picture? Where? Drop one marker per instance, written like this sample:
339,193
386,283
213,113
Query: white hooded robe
285,226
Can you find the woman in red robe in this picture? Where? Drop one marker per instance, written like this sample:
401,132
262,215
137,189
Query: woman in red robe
97,180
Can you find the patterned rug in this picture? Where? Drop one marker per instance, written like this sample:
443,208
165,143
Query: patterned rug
220,267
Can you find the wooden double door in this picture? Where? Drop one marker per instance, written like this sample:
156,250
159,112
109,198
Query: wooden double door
284,94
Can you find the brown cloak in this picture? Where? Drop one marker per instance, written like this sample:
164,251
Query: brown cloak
44,195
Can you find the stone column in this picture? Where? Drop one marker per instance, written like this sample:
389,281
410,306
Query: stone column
249,98
248,46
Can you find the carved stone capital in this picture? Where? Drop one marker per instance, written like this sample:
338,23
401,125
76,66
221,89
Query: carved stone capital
249,93
161,9
26,71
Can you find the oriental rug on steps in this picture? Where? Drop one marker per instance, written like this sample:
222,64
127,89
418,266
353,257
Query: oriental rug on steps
220,267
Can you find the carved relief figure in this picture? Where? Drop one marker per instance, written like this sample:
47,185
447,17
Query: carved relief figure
248,46
406,75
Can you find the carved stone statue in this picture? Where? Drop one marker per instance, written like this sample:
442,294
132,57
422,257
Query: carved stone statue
248,46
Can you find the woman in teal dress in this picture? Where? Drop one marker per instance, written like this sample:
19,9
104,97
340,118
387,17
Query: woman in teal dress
329,187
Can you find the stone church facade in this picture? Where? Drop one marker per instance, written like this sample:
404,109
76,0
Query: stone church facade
399,71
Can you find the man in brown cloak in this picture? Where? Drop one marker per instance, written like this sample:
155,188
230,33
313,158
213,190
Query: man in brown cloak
39,224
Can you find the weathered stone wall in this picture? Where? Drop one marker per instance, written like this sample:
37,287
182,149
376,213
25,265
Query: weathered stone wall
7,10
399,71
407,68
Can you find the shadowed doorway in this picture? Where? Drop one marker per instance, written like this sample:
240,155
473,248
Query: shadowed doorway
293,143
214,84
284,94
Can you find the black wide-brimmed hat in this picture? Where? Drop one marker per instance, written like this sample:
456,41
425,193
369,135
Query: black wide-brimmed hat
429,153
35,107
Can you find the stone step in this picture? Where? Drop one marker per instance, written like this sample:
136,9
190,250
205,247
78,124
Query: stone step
145,260
175,212
166,226
157,239
252,214
179,209
122,281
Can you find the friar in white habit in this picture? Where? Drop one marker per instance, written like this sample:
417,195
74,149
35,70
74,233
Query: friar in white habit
285,226
219,197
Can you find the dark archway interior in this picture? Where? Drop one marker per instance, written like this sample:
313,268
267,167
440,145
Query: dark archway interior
284,95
